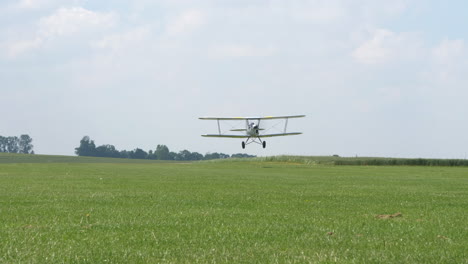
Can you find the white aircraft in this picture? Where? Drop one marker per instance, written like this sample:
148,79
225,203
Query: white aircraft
253,132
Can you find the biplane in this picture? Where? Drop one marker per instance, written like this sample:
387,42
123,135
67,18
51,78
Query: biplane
254,128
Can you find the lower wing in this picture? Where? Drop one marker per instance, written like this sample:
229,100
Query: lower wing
260,136
251,118
243,129
280,134
225,136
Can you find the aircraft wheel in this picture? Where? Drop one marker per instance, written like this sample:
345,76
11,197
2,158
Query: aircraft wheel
264,144
243,144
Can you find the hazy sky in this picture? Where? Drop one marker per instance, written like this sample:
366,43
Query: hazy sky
375,78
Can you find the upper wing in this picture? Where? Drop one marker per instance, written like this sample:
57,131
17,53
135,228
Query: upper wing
251,118
225,136
223,118
280,134
245,136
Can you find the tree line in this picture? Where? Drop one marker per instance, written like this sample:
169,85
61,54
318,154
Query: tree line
88,148
22,144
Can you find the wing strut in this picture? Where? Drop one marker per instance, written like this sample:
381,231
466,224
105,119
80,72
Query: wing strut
286,125
219,128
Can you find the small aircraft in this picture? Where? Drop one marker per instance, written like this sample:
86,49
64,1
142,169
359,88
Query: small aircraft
252,131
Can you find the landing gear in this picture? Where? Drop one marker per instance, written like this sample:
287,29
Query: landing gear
250,140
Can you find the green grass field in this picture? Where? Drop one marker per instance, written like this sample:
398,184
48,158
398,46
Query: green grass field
70,210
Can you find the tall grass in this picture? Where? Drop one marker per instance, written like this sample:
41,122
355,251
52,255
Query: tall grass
307,160
36,158
365,161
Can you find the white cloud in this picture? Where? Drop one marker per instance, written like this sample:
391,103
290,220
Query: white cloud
64,22
125,39
68,21
243,51
384,46
449,63
32,4
378,10
42,4
449,50
19,47
186,22
377,49
312,11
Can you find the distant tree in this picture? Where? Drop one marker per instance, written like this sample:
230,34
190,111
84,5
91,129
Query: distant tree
124,154
209,156
107,151
25,145
139,154
16,145
172,155
196,156
13,144
224,156
187,155
162,153
242,155
3,146
151,155
86,148
20,144
182,155
216,155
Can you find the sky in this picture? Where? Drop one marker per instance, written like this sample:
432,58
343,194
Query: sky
374,78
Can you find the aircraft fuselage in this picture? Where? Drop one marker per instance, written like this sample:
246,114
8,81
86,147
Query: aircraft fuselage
252,130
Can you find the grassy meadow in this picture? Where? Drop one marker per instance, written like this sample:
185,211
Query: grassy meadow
76,210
